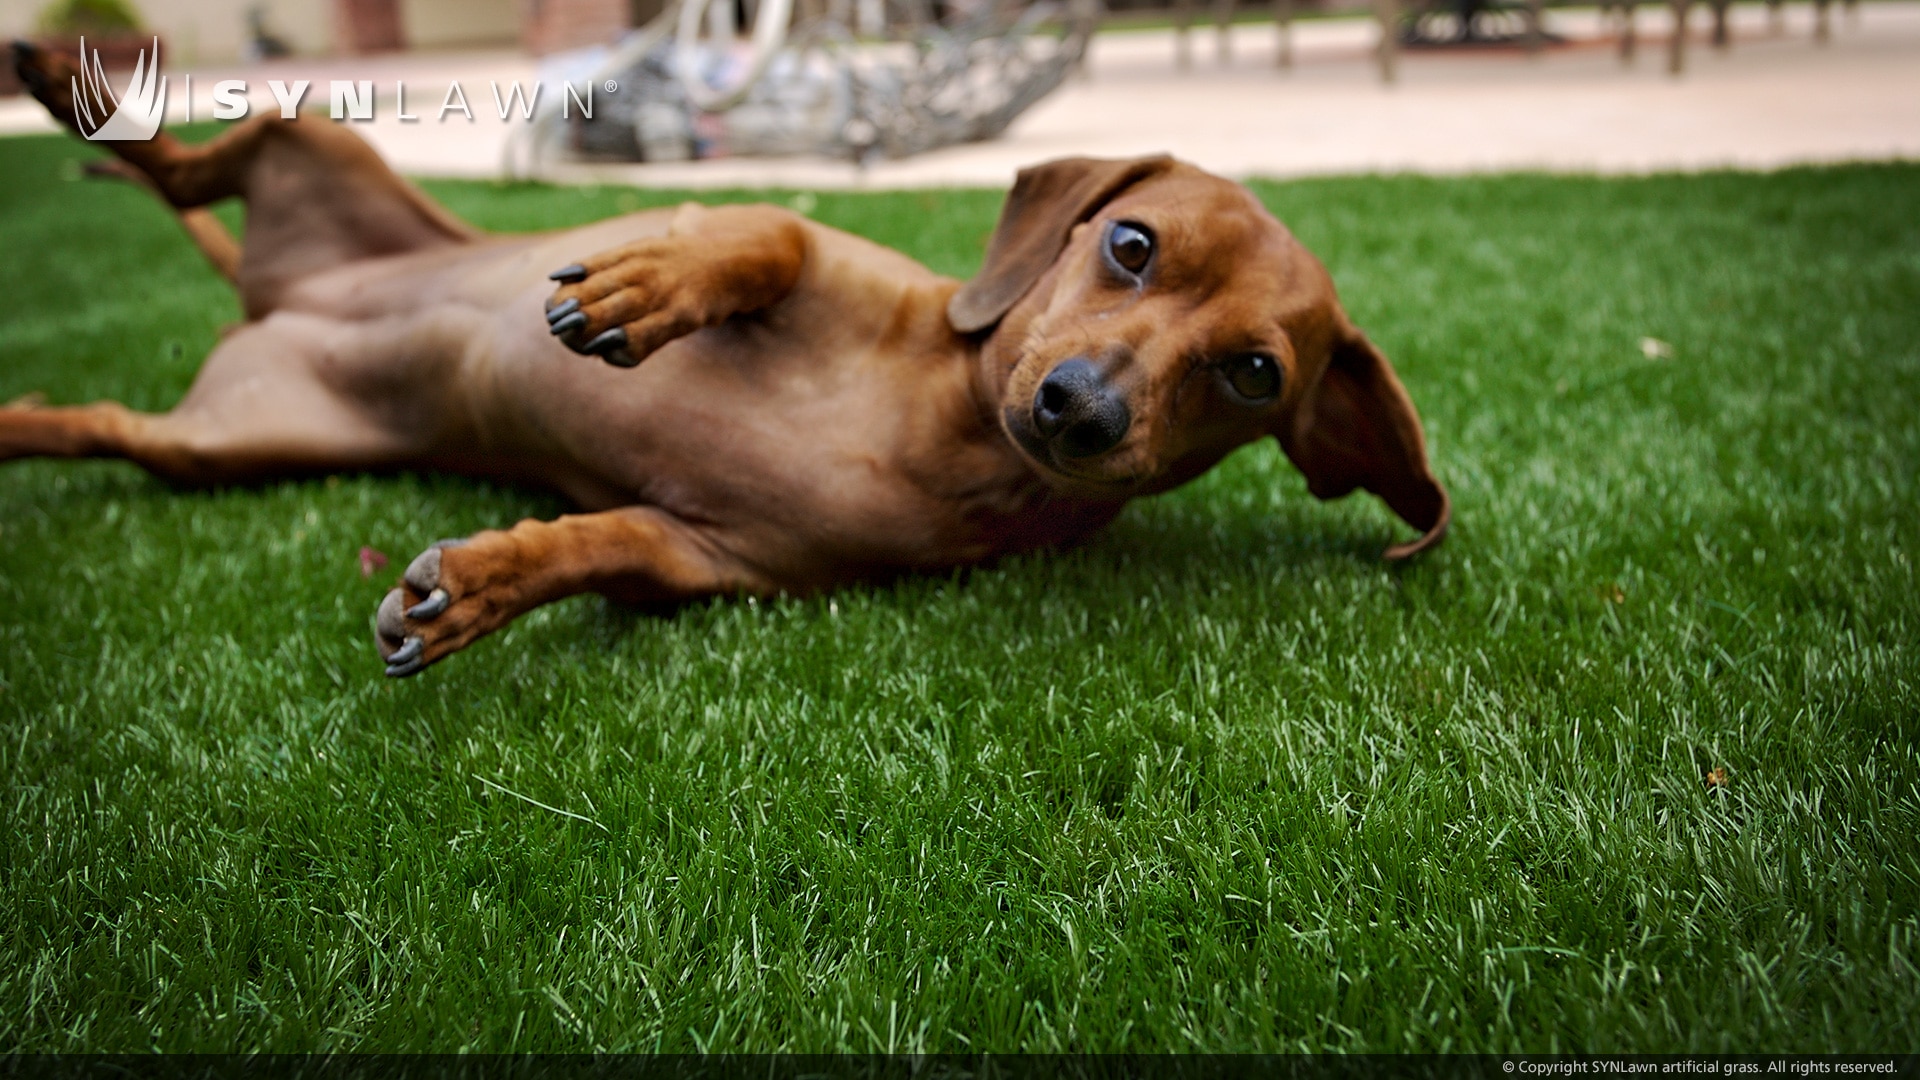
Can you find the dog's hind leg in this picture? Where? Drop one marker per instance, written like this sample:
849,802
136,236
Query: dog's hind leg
317,195
201,446
261,408
205,230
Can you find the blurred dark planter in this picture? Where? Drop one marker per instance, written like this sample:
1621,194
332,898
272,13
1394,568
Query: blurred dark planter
119,52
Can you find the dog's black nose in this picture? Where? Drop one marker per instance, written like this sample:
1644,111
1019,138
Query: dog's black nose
1078,411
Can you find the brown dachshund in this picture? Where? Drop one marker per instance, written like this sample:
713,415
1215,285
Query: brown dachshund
776,406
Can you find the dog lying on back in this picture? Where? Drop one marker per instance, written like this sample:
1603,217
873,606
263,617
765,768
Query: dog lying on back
776,406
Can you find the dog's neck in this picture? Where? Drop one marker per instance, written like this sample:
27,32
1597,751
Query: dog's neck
965,456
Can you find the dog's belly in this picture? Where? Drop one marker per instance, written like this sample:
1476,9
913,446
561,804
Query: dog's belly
793,448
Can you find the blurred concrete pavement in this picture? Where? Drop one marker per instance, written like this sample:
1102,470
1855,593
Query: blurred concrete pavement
1769,101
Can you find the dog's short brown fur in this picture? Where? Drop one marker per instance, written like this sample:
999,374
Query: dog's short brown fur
808,409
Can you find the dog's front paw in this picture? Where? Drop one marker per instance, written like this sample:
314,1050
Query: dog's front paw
442,604
623,304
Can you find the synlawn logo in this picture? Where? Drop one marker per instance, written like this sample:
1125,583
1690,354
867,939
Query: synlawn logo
132,117
135,116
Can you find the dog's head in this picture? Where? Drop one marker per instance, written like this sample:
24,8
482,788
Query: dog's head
1147,317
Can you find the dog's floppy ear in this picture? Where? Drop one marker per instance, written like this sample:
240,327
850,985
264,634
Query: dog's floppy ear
1356,428
1046,202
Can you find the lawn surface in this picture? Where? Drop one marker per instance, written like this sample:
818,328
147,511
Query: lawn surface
1220,780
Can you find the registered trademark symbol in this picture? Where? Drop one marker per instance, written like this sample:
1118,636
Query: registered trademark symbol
612,86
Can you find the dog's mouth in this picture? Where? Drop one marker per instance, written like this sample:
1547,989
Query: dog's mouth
1020,429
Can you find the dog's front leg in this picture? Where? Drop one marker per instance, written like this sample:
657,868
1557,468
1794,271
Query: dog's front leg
460,590
713,263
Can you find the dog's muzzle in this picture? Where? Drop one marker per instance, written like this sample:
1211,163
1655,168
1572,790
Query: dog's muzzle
1078,412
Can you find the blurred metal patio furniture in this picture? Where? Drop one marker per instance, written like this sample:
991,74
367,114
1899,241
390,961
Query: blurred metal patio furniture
865,80
1443,23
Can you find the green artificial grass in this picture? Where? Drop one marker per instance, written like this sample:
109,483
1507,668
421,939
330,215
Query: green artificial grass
1220,780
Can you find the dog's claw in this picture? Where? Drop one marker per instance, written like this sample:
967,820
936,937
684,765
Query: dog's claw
570,324
562,310
423,573
611,346
608,339
408,652
388,622
401,671
569,274
435,603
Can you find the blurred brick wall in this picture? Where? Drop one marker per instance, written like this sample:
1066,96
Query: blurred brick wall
548,26
367,26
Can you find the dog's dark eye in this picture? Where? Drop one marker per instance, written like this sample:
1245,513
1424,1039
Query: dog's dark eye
1130,245
1254,377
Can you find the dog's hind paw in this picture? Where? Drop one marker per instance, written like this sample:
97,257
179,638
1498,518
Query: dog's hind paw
48,76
